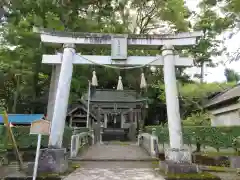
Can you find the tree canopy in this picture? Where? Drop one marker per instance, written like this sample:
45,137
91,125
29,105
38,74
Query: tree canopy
231,75
25,80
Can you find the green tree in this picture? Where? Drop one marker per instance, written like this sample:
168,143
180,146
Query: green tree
194,96
231,75
229,9
198,119
26,80
211,24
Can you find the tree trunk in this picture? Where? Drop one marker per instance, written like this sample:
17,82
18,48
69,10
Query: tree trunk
16,94
36,70
198,147
202,73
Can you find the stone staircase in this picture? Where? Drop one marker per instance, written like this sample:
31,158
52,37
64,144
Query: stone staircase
114,161
120,151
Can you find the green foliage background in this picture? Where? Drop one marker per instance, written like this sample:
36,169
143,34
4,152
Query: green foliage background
24,80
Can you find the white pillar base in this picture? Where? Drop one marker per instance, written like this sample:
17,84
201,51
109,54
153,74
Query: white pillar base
178,155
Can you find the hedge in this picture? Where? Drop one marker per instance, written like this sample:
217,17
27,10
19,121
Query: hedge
25,140
217,137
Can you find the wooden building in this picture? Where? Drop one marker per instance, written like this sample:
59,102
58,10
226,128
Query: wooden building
77,114
225,108
119,112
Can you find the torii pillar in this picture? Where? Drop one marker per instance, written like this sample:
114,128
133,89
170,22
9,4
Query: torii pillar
61,98
172,101
54,158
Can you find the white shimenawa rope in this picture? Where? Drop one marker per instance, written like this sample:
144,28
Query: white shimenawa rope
117,67
120,84
94,79
143,83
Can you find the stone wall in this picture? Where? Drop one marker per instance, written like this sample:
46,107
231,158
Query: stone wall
149,142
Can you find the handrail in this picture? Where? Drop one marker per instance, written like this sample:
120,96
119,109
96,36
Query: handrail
78,141
149,142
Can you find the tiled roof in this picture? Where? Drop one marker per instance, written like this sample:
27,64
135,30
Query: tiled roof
80,105
224,96
104,95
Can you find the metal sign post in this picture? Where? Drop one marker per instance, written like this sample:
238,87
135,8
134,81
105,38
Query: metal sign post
88,104
37,156
39,127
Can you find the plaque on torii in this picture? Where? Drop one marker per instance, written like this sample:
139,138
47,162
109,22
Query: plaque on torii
119,47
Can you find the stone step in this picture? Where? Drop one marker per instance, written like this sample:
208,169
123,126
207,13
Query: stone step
116,164
113,159
15,165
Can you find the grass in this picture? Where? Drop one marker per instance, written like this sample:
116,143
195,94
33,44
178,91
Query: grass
212,154
120,143
155,164
197,176
192,176
220,169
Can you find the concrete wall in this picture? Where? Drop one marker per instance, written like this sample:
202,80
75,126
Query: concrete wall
226,116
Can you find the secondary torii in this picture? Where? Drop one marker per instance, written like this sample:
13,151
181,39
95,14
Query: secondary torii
62,73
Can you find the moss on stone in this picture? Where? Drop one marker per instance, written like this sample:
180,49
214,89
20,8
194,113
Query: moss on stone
213,154
195,176
71,167
155,164
192,176
120,143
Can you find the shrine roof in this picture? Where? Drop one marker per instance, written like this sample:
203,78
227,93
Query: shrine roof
109,95
79,105
224,96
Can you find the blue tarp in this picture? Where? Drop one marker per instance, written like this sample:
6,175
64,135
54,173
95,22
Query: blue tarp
22,118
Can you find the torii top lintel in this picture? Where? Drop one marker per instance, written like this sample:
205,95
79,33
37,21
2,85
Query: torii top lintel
179,39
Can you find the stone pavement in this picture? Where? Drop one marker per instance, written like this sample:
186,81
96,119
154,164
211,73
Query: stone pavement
115,162
114,174
117,152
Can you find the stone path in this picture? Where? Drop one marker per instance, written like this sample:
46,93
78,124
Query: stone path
115,171
117,152
115,162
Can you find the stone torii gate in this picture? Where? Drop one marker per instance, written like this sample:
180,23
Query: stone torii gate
63,68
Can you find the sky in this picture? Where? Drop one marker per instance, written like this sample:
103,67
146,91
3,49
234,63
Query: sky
217,74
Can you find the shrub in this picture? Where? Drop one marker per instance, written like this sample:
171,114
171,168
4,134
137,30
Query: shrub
217,137
25,140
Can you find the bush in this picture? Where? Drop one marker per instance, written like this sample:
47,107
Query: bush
25,140
217,137
198,119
